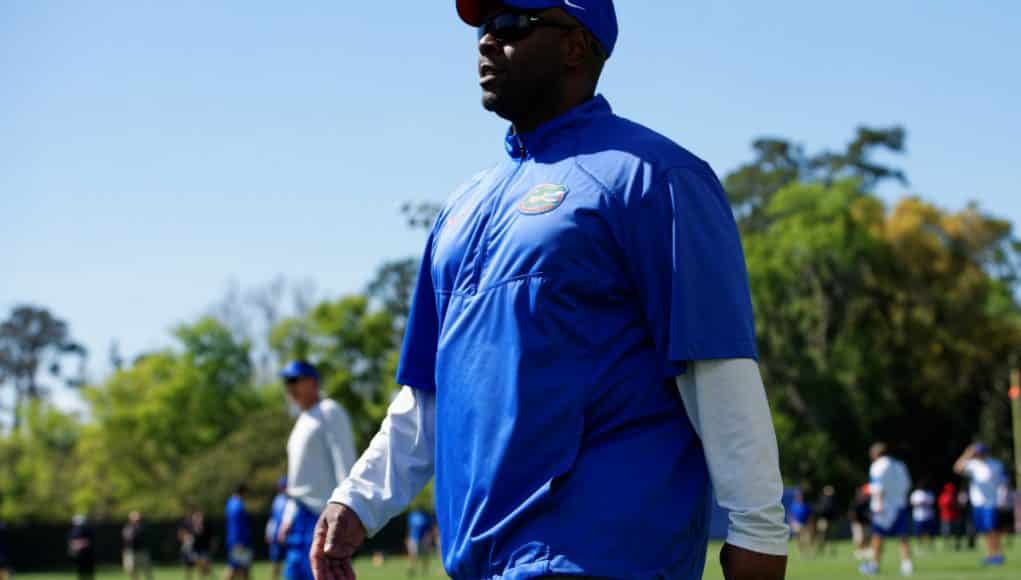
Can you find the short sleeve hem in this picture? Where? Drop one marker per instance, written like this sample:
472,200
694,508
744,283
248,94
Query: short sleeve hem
416,381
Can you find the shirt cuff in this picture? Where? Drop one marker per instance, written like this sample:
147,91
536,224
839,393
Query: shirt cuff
760,530
758,545
365,508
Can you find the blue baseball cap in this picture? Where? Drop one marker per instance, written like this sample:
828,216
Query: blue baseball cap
598,16
298,369
981,448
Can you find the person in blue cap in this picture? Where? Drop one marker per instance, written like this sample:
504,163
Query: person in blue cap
580,360
986,475
320,453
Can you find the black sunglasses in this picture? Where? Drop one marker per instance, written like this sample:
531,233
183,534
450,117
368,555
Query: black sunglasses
291,380
515,26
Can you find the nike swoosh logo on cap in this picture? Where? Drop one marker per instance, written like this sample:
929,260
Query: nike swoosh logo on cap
573,5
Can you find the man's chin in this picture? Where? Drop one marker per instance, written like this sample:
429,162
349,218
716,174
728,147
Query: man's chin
494,104
490,101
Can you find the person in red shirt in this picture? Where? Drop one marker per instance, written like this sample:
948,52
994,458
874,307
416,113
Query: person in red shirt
950,516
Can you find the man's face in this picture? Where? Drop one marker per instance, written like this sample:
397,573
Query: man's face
304,391
519,76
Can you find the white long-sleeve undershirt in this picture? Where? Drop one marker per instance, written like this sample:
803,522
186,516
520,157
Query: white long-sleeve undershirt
397,464
726,403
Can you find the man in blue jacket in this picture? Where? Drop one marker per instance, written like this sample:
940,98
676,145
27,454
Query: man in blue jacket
580,359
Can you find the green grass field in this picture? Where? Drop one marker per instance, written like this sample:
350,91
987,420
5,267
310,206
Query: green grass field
931,565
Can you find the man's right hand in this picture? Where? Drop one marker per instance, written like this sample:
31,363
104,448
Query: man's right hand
339,533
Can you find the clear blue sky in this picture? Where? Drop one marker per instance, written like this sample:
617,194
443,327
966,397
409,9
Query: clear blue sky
152,151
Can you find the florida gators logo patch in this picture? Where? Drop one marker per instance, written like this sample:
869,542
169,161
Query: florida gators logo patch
543,199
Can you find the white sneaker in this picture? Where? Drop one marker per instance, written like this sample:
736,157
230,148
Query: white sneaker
907,568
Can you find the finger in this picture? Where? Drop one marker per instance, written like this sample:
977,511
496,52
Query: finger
332,541
347,569
320,569
331,569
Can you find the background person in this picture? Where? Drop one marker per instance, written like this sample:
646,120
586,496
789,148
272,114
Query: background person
923,515
986,475
950,517
419,529
320,453
186,539
202,543
967,517
825,517
239,536
860,516
799,519
81,547
276,515
135,554
889,486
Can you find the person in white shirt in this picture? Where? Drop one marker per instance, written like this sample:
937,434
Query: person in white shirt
889,485
320,453
923,513
986,475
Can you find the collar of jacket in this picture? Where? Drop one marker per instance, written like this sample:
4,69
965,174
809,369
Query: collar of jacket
529,144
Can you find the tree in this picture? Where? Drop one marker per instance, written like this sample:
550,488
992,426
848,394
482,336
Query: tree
254,453
152,421
779,163
32,339
39,465
868,316
253,314
420,215
392,288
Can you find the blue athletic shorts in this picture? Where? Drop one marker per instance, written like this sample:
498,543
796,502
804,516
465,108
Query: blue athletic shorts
984,519
276,552
899,527
299,541
927,527
297,565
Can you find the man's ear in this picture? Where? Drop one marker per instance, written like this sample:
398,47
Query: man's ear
578,48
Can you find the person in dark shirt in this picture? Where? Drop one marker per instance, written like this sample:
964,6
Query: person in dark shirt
187,541
825,516
196,544
860,515
80,546
136,549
